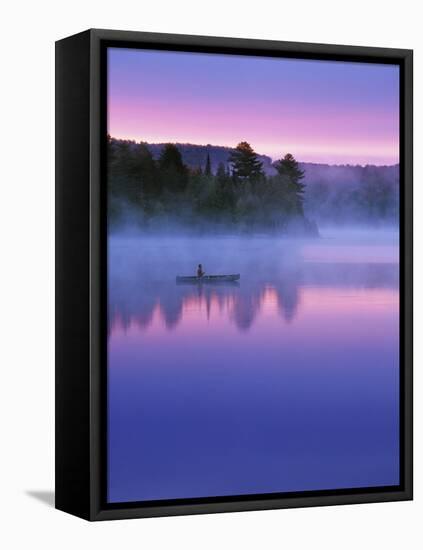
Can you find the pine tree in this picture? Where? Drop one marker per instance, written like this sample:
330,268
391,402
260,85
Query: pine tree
221,172
207,170
124,181
288,168
170,157
173,172
224,189
145,169
245,163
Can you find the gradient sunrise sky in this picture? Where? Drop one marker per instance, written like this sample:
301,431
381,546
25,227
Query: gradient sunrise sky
320,111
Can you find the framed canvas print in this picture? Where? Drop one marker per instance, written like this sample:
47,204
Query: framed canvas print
234,274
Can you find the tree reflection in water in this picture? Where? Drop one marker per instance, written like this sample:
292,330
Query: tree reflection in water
138,299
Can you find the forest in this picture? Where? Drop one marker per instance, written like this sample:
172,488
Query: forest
206,187
236,195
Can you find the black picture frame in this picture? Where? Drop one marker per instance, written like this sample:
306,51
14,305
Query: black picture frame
81,255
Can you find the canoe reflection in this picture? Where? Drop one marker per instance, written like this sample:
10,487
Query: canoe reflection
139,300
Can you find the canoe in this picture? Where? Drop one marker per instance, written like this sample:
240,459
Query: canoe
208,279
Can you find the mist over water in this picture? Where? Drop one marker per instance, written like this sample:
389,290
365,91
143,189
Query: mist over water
285,381
142,271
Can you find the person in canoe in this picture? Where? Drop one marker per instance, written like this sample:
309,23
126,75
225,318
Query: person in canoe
200,271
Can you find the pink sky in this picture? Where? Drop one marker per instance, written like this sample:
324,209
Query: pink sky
320,111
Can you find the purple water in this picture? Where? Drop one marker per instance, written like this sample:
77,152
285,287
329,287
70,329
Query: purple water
287,381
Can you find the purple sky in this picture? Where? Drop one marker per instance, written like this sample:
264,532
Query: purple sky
320,111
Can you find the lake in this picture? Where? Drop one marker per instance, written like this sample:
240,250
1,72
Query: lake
285,381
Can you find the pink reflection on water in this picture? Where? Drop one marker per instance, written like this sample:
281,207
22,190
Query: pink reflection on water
327,317
357,253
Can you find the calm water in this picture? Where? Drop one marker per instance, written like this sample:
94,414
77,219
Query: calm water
287,381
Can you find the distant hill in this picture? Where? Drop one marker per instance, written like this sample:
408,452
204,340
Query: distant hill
346,174
195,156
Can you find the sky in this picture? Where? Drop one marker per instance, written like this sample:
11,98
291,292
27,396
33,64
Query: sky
320,111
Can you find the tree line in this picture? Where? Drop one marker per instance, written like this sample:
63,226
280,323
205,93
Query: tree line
238,193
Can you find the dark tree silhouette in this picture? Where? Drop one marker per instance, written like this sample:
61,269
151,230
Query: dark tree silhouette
123,179
145,170
174,173
245,163
288,169
221,173
207,170
238,195
171,158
